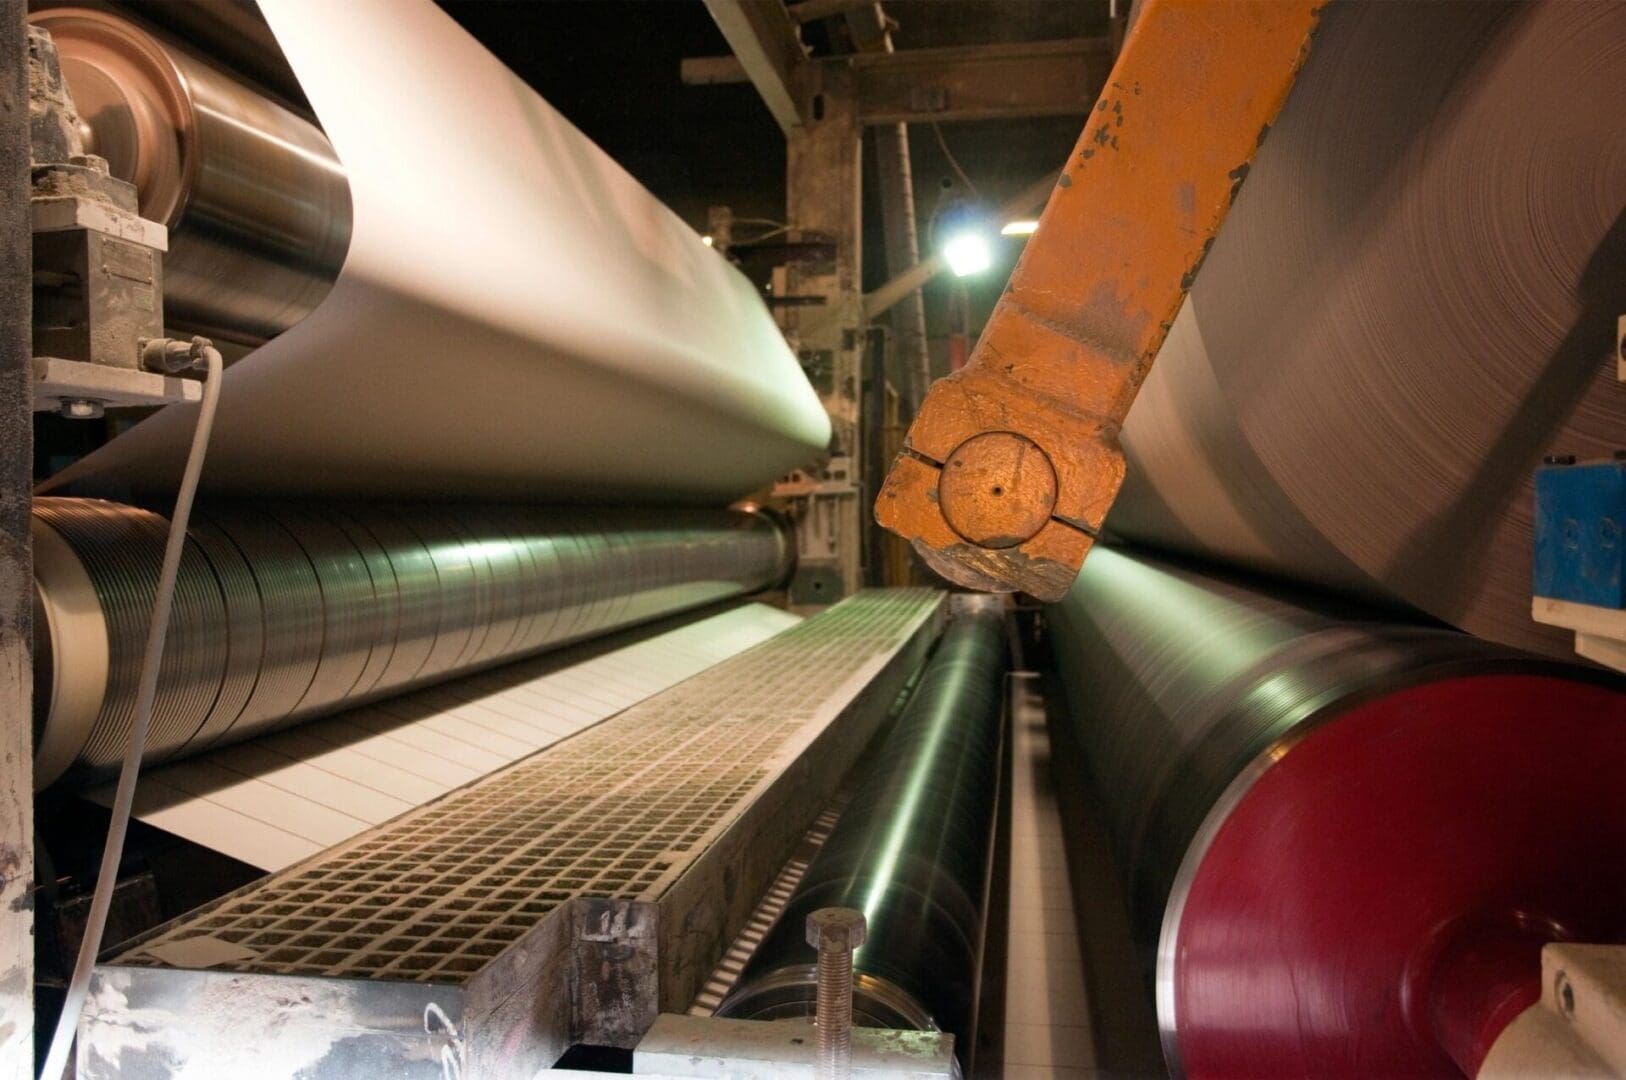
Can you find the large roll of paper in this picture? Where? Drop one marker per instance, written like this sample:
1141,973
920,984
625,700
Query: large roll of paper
1413,301
515,316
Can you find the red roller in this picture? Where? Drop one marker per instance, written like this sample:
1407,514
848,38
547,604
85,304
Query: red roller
1374,901
1346,839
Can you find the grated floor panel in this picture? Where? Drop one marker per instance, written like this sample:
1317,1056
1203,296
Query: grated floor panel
617,811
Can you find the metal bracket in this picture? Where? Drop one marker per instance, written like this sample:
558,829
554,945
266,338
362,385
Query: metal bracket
81,390
1012,463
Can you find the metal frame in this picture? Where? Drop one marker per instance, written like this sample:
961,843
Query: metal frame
606,956
1011,465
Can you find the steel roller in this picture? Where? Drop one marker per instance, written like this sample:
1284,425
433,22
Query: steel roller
1412,302
1344,839
912,851
285,611
255,200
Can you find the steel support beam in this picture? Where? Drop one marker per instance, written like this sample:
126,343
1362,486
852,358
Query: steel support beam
980,82
1011,465
813,10
822,197
768,45
16,560
870,31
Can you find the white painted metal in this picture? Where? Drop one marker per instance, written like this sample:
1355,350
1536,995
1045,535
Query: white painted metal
1600,632
1577,1031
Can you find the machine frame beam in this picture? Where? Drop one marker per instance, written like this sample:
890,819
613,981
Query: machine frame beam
768,45
980,82
973,82
1011,465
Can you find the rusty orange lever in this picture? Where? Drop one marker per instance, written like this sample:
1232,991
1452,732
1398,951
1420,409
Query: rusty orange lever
1012,463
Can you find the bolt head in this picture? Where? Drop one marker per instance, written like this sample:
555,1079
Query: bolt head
836,928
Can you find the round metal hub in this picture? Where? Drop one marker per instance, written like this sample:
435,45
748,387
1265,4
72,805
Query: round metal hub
998,489
1371,899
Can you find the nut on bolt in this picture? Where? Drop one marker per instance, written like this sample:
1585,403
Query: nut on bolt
81,409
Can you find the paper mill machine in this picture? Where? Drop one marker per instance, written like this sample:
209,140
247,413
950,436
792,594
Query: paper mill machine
435,630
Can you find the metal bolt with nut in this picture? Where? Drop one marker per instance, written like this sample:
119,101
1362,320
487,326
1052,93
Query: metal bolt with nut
835,933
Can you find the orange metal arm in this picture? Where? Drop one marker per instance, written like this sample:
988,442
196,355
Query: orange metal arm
1012,463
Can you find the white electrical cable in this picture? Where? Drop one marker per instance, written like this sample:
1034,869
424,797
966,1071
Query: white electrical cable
56,1060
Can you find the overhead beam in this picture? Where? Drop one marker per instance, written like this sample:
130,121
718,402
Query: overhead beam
813,10
712,70
768,45
980,82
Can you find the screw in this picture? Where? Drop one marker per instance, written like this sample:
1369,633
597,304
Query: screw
80,409
835,933
1558,459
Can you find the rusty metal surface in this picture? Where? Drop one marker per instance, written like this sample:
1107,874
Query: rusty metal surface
1088,306
16,562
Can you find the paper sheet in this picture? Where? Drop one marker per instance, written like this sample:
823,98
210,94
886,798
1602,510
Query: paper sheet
278,799
516,317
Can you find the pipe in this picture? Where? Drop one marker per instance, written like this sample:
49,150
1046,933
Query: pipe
1344,838
206,356
286,611
257,204
912,852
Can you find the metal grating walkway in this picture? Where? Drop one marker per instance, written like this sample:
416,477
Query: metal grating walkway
618,811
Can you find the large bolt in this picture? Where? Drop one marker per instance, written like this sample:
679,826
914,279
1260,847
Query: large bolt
997,489
835,933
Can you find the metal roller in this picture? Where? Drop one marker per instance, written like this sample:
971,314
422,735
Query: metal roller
1412,302
255,201
1345,840
911,851
288,611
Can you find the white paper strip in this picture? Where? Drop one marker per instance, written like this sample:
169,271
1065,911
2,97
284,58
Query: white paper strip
281,798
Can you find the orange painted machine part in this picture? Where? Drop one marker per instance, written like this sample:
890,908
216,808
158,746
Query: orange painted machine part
1012,463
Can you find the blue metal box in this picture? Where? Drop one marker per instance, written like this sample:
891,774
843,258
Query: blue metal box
1579,513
